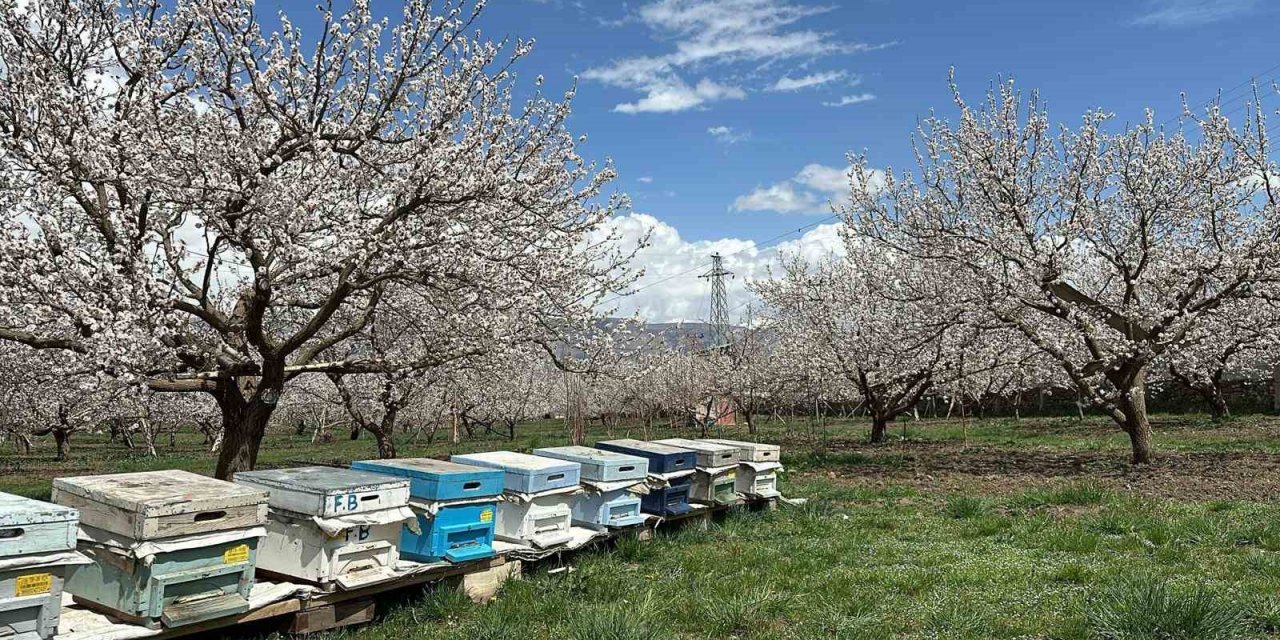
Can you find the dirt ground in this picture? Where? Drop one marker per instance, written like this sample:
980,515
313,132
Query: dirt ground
946,467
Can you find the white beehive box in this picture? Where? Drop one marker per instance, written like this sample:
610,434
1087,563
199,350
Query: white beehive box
752,451
331,526
542,522
161,504
37,546
710,454
758,479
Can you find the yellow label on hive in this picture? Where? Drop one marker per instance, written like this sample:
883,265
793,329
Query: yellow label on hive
34,584
238,553
486,515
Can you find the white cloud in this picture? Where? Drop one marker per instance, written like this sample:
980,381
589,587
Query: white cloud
645,179
856,98
787,83
728,135
715,34
671,290
816,188
1182,13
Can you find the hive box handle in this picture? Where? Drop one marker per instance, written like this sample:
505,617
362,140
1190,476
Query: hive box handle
210,516
556,476
470,486
624,469
369,498
10,534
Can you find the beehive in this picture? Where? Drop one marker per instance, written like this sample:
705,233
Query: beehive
607,501
710,455
526,473
670,495
37,549
167,547
599,464
456,505
751,451
716,487
537,509
331,526
662,458
758,479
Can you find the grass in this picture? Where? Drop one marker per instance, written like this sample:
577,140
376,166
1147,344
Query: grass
881,550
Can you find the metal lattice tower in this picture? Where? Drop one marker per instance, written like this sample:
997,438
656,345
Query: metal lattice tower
720,336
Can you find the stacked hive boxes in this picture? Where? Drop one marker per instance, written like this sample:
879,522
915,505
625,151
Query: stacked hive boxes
166,546
331,527
608,479
717,464
670,474
37,546
455,506
758,467
537,499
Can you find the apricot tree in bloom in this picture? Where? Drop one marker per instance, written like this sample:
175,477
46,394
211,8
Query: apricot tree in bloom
1105,248
190,198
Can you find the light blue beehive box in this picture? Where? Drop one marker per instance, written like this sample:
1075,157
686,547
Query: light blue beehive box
462,527
31,534
526,473
616,508
168,547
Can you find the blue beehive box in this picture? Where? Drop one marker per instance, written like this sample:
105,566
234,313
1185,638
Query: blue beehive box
458,522
662,458
526,473
614,507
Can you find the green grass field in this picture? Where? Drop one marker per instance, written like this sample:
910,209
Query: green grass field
984,529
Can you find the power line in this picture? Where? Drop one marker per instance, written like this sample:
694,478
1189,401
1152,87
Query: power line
764,245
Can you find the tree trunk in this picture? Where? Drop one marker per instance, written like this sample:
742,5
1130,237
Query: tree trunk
879,429
244,421
386,445
1133,404
63,438
1218,403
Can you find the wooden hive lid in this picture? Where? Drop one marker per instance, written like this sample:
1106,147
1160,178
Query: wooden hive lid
322,480
160,493
591,453
17,511
511,460
429,466
645,445
698,445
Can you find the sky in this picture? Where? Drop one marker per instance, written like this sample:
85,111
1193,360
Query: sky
730,121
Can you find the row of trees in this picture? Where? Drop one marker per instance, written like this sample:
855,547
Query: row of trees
210,221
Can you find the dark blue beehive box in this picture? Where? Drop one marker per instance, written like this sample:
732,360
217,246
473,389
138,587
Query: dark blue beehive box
663,459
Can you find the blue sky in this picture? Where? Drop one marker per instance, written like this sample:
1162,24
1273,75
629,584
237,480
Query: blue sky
730,120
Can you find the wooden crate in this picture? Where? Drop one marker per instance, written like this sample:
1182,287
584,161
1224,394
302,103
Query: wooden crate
752,451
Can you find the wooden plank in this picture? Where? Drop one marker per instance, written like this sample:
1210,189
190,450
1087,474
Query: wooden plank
332,616
161,504
482,586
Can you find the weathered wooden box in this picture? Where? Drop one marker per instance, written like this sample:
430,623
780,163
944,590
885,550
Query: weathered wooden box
150,505
662,458
543,521
526,473
609,509
751,451
710,455
167,547
599,464
456,506
37,547
717,487
331,526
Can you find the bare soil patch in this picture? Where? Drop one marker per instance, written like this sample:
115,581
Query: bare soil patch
954,467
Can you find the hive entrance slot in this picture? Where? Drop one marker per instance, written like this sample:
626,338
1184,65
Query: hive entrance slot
624,469
368,498
556,476
10,534
470,486
210,516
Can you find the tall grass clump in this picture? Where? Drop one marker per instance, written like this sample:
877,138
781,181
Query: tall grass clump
1148,608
